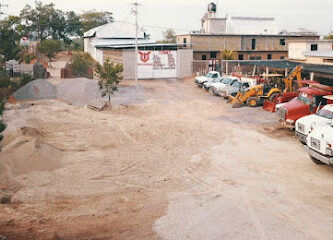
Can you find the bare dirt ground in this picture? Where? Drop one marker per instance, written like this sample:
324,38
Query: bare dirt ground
176,163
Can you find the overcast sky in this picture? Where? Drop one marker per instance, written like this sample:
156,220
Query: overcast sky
185,15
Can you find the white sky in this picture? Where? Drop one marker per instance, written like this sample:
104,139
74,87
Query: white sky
316,15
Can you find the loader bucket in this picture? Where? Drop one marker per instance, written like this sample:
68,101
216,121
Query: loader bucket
269,106
237,105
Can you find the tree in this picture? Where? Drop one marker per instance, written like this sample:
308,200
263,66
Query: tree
45,21
80,63
49,48
109,77
9,37
227,54
169,36
93,18
329,36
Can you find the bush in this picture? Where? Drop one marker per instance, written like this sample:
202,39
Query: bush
4,79
28,57
80,64
25,79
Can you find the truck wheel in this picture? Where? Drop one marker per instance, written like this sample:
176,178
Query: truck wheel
316,161
273,96
252,102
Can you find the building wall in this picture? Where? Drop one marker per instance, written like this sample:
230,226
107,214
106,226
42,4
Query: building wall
89,48
184,63
296,49
251,26
128,57
115,56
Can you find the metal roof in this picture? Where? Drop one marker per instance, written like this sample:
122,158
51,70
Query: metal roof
122,30
328,54
316,68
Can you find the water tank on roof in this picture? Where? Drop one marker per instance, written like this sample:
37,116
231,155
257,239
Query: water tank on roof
212,7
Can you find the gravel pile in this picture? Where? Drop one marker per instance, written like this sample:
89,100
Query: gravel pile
36,90
79,91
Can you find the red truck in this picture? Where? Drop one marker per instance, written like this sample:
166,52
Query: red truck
307,102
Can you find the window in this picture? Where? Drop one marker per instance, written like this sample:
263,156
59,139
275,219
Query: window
240,57
269,56
282,57
184,41
214,75
254,43
245,85
314,47
282,42
204,57
255,58
213,54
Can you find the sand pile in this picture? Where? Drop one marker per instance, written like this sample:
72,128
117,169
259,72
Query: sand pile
79,91
36,90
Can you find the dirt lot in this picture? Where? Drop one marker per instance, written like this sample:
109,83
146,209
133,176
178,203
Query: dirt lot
176,163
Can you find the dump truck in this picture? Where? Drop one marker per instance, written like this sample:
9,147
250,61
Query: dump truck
320,144
308,101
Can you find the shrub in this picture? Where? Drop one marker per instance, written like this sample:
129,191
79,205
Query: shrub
80,64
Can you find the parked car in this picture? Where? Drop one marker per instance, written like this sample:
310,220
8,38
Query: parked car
307,102
305,125
207,85
233,89
320,144
210,76
217,87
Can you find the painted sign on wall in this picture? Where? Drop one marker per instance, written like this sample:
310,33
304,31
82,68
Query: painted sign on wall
157,64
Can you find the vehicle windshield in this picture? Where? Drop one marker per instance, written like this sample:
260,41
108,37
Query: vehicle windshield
217,80
304,98
325,113
227,81
236,84
209,74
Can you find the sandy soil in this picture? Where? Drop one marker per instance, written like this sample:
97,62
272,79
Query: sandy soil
177,163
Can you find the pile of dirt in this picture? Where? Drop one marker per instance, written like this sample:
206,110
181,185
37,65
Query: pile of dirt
36,90
79,91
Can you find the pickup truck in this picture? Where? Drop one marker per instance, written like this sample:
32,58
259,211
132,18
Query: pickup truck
207,85
233,89
307,102
308,123
320,144
217,87
210,76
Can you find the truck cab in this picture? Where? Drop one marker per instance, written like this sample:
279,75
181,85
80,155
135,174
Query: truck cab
233,89
320,144
308,123
226,81
210,76
308,101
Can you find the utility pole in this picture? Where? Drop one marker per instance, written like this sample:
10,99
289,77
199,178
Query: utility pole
135,11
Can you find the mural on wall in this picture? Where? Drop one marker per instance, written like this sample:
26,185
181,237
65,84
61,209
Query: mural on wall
157,64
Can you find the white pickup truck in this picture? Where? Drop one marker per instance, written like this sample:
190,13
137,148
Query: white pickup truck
320,144
305,125
210,76
217,87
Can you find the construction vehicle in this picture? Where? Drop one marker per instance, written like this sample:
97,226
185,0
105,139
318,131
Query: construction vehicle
290,89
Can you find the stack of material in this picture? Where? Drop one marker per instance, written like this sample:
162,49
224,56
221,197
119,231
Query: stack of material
36,90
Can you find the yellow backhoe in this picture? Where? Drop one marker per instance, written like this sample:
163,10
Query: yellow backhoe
256,95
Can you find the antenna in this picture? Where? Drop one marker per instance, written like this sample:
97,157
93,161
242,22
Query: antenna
2,5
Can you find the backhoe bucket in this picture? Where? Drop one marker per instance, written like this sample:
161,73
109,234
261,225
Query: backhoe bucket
269,106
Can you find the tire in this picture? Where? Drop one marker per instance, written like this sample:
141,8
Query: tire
316,161
252,101
273,96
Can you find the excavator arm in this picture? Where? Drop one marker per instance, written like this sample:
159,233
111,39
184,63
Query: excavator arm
288,81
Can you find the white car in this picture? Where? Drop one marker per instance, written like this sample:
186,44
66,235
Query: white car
216,88
305,125
210,76
209,84
320,144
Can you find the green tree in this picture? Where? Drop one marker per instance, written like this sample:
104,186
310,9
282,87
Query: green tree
169,36
49,48
80,63
329,36
46,21
109,76
93,18
227,54
9,37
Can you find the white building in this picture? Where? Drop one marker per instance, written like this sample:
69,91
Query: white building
111,34
311,51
